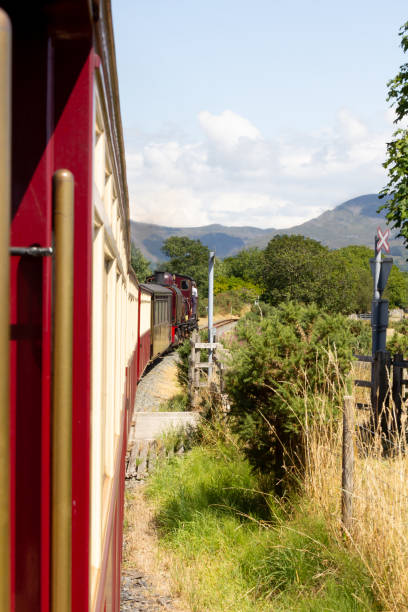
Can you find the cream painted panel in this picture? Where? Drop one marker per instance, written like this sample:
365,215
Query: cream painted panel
115,321
96,424
107,198
145,307
99,163
114,220
118,389
123,334
110,370
132,318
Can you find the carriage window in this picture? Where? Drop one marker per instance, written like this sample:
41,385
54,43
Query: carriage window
185,284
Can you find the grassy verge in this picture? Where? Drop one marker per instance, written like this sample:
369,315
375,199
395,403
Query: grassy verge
177,403
235,548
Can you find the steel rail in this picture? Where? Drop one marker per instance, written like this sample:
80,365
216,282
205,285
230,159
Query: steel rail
218,324
61,500
5,199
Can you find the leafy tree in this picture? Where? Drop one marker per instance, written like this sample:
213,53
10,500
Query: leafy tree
352,263
396,290
139,264
188,257
247,264
357,255
357,259
303,270
232,283
397,150
293,269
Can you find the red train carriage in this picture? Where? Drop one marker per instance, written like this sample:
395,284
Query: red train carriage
82,329
77,313
161,318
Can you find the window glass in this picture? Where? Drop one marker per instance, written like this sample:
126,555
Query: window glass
185,284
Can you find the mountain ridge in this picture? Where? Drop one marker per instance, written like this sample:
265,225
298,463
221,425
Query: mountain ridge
352,222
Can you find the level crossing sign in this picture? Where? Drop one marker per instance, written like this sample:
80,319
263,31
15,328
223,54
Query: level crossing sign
382,241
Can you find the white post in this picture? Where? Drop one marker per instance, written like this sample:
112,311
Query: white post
211,262
377,270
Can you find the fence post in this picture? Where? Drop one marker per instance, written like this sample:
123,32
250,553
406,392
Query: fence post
191,367
397,393
347,464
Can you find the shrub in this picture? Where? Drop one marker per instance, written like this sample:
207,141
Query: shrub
177,403
182,364
278,364
233,301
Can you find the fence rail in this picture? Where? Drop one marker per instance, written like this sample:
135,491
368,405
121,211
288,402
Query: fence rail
207,374
387,389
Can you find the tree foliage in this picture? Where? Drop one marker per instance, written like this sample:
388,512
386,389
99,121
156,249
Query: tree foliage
396,291
139,264
190,257
303,270
233,283
397,150
247,265
292,269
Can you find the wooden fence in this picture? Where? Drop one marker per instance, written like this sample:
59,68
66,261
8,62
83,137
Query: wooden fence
387,391
208,374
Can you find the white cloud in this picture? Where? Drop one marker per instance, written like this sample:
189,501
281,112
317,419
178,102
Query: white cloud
235,176
228,129
351,127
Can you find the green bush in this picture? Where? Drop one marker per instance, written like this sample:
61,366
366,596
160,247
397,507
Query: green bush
398,343
182,363
401,326
232,302
279,364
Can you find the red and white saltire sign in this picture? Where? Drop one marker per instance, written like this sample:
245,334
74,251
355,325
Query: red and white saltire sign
383,239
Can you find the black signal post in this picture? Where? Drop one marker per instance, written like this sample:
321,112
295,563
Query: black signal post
380,269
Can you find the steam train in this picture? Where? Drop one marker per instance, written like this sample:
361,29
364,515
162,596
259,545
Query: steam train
76,328
179,314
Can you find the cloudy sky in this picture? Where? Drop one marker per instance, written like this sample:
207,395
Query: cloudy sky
254,112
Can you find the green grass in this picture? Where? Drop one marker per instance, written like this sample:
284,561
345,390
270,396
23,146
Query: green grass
237,549
177,403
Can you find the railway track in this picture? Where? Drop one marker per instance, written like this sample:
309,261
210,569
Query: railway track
223,326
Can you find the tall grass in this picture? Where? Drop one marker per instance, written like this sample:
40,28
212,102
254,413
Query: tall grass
379,533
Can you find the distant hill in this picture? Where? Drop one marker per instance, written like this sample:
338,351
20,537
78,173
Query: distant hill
224,240
353,222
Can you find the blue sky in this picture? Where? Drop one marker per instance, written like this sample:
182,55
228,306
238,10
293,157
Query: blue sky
258,113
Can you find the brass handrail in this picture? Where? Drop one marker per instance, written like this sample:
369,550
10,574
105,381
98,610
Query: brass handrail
5,200
61,553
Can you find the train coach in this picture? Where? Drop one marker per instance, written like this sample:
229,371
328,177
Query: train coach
82,329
